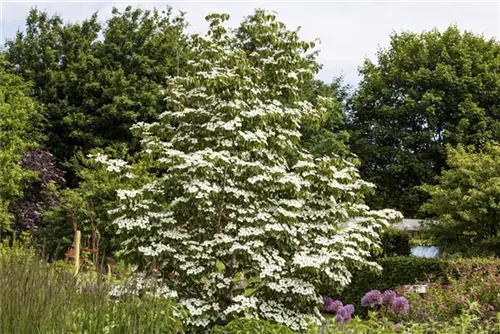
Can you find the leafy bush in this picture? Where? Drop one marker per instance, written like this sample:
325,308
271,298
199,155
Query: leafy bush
18,114
469,281
38,297
466,202
396,242
467,322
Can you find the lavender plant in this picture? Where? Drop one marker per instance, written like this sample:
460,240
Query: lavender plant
238,218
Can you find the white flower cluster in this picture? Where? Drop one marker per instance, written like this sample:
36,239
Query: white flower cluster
113,165
242,219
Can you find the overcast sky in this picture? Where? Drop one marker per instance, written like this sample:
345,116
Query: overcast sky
349,31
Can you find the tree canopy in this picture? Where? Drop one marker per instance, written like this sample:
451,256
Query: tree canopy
466,202
92,91
425,91
18,115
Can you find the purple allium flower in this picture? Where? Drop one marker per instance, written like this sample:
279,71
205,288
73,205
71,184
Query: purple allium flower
350,309
328,304
331,305
371,299
337,305
398,325
400,305
343,313
388,297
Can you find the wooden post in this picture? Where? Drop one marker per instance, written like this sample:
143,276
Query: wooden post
109,272
78,236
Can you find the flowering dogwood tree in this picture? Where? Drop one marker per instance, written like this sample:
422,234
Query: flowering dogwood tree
239,219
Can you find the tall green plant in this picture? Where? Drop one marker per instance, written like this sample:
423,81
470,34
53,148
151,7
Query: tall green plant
40,297
18,114
93,90
466,202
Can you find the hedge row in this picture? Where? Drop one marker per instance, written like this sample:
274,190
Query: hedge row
396,242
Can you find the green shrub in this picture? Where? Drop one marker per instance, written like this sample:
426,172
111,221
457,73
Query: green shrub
469,281
396,243
407,270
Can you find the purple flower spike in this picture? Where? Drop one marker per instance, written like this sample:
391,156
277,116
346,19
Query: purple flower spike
388,297
371,299
400,305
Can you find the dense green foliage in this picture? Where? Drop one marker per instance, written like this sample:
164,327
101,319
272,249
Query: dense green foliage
327,134
467,322
18,115
469,281
407,270
395,242
466,202
425,91
92,90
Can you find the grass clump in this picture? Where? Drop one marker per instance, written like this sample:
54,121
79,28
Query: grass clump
41,297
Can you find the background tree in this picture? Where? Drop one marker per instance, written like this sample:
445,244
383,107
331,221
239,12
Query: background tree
18,113
58,60
466,202
425,91
237,217
93,90
90,92
328,133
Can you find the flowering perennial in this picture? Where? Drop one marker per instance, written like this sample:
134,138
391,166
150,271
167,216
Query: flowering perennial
371,299
400,305
388,297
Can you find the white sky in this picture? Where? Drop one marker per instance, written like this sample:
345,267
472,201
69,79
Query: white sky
349,31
